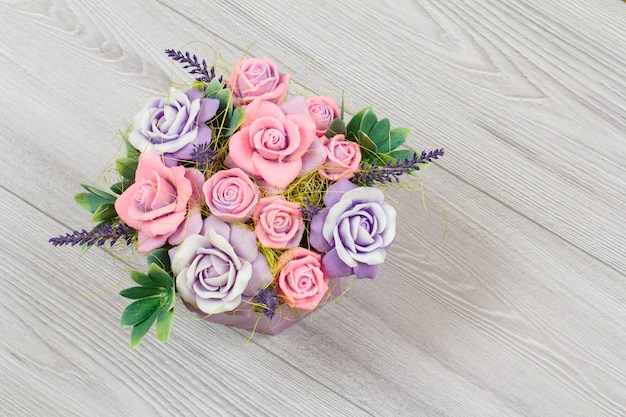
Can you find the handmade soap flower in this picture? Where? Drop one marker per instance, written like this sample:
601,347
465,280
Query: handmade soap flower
231,195
343,159
323,110
173,125
279,223
275,148
250,207
354,230
301,280
215,268
258,78
157,204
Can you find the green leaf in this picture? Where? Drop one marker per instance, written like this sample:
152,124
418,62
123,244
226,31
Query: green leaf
131,152
380,134
368,121
142,279
99,193
139,310
336,127
342,107
225,96
137,293
401,154
126,167
104,213
368,148
164,324
397,137
140,329
367,143
159,276
213,88
90,202
160,257
236,120
355,123
120,187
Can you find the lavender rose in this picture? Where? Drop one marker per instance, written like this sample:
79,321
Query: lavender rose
171,126
215,268
355,229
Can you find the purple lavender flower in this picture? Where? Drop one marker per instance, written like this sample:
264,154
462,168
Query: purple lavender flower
391,171
202,70
269,301
98,236
354,230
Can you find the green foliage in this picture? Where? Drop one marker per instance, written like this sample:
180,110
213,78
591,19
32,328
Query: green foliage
377,140
120,187
126,167
336,127
104,214
101,203
154,297
97,202
228,118
160,257
236,120
131,152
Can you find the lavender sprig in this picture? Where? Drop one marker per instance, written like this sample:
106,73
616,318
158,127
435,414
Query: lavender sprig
392,170
204,157
205,73
98,236
269,301
309,209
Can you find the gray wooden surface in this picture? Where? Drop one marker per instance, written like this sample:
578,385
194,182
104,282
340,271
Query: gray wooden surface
506,297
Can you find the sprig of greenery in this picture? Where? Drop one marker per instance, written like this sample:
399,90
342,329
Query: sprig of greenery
155,297
228,118
376,138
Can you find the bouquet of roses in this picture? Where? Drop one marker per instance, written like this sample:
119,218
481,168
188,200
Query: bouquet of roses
250,207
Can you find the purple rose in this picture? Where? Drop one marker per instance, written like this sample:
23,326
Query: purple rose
354,229
215,268
171,126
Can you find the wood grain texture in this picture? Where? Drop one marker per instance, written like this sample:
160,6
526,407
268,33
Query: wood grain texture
507,297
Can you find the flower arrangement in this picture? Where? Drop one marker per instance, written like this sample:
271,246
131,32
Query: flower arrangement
251,207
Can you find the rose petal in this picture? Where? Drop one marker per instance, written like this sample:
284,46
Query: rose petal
337,190
278,175
335,267
261,276
366,271
316,239
314,157
240,152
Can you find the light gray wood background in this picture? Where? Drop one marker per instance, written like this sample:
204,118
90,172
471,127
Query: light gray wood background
504,294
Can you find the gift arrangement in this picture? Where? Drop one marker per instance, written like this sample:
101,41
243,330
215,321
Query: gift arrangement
252,206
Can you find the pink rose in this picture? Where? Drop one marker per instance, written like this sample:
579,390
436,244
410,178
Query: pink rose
163,204
273,147
302,281
257,78
231,195
342,159
323,110
279,223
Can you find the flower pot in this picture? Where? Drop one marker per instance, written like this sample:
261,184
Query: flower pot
244,317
